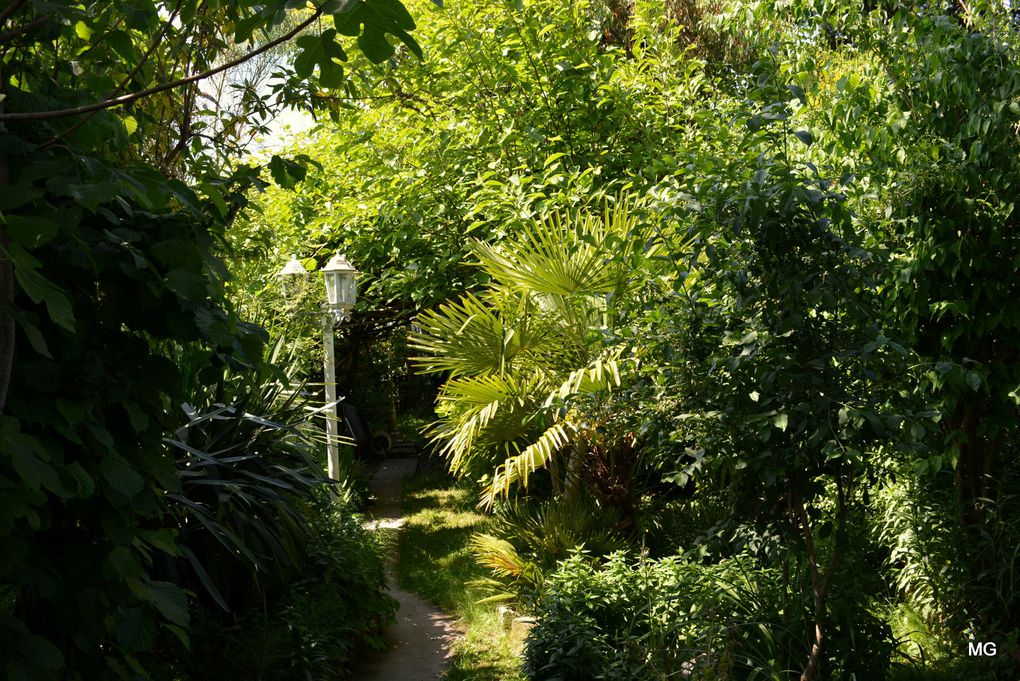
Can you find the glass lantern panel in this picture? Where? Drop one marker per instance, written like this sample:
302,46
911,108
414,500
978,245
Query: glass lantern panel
331,287
347,290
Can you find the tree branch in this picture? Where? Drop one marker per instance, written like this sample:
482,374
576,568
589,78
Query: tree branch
10,9
123,84
12,33
127,99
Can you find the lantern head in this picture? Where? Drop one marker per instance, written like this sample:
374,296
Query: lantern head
341,285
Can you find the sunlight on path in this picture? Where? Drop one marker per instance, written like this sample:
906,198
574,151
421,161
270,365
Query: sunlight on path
419,639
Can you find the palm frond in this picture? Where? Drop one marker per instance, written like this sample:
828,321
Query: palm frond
551,256
527,345
489,410
464,338
497,555
513,572
603,373
536,455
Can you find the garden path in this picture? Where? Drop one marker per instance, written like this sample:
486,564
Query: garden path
419,639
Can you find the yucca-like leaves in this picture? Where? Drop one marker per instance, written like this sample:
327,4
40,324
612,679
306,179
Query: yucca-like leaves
245,468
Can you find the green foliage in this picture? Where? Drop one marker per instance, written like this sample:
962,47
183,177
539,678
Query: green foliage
916,527
956,217
512,114
680,526
528,538
246,465
112,313
332,607
646,620
520,353
87,472
551,530
639,619
796,343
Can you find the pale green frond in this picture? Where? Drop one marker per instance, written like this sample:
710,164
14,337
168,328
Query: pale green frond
465,337
501,597
559,254
455,438
603,373
511,570
473,391
476,401
535,456
475,335
497,555
484,414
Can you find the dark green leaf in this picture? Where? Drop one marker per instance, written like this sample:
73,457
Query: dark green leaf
123,563
120,476
137,630
86,486
168,599
372,21
804,136
31,232
42,652
121,44
203,577
40,289
34,336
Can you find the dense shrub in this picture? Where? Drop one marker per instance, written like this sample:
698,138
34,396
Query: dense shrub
334,605
638,619
675,525
288,583
529,537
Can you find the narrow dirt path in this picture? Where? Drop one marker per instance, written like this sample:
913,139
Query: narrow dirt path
419,648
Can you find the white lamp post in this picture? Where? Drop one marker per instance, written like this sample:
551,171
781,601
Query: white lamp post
293,267
292,275
341,293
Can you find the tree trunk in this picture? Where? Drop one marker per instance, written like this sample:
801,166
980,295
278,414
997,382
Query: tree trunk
572,475
6,294
820,582
6,304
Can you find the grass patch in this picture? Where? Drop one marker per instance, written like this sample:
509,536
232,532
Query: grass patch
436,564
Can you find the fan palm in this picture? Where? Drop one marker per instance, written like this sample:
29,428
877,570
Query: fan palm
522,351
